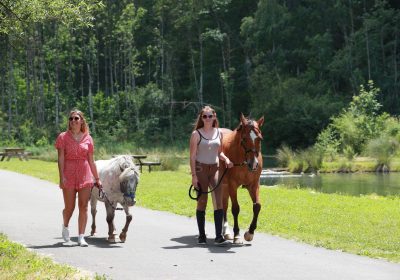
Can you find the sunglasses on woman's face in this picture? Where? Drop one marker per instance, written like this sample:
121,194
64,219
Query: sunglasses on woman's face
74,118
208,116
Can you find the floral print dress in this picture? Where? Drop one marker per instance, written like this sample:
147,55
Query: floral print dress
77,173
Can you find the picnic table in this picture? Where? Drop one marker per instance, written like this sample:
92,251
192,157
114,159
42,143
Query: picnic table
14,152
141,163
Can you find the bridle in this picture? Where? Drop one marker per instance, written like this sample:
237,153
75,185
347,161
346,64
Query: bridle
103,194
242,143
199,192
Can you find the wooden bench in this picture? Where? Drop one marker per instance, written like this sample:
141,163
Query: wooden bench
14,152
149,164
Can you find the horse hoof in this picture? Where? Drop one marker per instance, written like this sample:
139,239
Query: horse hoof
228,236
122,237
237,240
248,236
111,239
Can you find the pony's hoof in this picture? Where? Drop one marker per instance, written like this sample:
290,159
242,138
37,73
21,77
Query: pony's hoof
248,236
92,233
228,236
237,240
111,239
122,237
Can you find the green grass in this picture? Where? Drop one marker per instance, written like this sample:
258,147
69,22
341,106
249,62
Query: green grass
16,263
366,225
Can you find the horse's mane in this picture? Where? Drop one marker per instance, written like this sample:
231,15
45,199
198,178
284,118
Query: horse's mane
124,166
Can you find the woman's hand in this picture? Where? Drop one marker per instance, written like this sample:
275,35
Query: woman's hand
228,163
99,183
195,181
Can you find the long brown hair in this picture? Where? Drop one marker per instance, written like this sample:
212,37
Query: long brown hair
84,125
199,121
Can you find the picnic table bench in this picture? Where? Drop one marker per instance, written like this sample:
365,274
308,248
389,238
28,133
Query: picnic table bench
14,152
139,161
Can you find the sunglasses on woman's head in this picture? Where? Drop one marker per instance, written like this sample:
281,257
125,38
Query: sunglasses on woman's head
74,118
208,116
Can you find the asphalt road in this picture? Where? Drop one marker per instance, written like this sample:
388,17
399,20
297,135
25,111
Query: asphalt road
161,245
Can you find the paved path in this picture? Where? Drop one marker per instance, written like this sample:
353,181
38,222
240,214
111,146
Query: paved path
162,245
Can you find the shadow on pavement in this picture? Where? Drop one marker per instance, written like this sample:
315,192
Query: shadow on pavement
55,245
101,242
190,241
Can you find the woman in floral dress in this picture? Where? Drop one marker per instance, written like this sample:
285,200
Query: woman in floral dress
76,168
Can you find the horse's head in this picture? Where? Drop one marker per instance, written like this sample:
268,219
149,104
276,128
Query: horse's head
128,181
250,138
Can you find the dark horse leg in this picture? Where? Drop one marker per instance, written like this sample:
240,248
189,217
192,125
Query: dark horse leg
122,236
110,221
254,192
235,213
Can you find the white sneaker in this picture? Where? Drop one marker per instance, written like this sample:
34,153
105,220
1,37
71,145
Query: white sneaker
65,233
81,241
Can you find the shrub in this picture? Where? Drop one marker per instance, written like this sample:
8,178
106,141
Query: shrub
383,149
284,155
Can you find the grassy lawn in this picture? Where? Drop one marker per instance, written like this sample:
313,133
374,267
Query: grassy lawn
366,225
18,263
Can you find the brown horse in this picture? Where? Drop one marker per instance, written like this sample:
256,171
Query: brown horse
243,147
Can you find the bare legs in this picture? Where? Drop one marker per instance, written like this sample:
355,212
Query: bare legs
69,207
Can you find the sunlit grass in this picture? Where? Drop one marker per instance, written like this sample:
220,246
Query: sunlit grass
368,225
18,263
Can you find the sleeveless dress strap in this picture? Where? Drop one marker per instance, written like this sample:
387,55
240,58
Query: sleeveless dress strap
201,136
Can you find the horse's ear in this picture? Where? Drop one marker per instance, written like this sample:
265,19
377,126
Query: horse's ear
260,121
242,119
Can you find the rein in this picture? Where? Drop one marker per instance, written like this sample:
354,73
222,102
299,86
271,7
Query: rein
102,195
199,192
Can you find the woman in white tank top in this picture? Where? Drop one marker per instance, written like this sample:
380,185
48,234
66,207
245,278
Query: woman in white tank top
205,153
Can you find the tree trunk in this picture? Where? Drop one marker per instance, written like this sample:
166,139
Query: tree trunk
90,96
57,94
162,51
40,104
111,72
10,88
28,67
367,44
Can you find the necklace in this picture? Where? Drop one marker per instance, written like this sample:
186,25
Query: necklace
77,137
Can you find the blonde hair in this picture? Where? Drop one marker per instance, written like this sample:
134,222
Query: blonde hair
84,125
199,121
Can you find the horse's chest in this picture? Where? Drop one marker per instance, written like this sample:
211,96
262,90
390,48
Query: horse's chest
244,177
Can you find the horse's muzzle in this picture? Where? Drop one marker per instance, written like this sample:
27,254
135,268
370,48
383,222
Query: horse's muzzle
130,201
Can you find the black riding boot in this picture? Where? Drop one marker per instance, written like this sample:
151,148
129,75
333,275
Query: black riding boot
201,221
219,220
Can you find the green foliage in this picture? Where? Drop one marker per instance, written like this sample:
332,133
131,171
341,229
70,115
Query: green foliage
355,126
141,70
383,150
308,160
284,155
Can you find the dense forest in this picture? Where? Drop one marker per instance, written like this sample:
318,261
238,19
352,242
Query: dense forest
141,69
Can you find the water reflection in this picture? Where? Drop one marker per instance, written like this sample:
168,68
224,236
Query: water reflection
353,184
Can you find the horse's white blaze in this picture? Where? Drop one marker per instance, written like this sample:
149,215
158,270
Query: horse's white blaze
253,136
255,163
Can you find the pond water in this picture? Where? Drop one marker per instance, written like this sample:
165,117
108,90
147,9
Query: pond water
351,184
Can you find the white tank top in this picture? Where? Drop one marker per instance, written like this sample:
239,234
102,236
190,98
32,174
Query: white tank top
207,149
